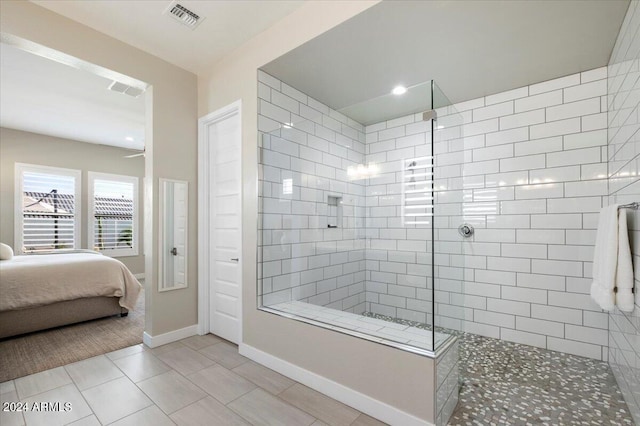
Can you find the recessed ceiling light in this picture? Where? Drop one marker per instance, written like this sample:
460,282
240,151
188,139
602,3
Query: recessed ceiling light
399,90
129,139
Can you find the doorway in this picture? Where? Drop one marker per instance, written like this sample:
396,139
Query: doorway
219,222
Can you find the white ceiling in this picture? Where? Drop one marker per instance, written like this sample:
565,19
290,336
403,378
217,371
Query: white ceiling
43,96
141,23
49,97
470,48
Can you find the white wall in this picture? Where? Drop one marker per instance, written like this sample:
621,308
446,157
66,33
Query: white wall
533,181
529,175
623,153
399,253
303,259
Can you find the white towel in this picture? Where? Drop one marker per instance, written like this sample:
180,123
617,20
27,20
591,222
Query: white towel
612,265
624,273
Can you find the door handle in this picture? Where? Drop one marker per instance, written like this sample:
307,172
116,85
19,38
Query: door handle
174,251
235,259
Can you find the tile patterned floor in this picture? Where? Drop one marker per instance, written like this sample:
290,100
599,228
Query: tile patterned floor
510,383
201,380
505,383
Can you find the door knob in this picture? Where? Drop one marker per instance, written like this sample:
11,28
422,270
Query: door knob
174,251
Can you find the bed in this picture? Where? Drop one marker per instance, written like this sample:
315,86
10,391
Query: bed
42,291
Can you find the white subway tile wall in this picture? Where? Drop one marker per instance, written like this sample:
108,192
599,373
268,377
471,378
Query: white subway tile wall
532,180
305,151
399,245
527,168
623,154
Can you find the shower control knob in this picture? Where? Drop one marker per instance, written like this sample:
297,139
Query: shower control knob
465,230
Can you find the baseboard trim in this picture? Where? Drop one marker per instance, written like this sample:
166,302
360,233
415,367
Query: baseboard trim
139,276
361,402
172,336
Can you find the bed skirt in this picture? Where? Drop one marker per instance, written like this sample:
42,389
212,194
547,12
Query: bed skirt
21,321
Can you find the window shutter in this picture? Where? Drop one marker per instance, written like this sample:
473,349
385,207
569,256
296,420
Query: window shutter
417,191
113,213
48,211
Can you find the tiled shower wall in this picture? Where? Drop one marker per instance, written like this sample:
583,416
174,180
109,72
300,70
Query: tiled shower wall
398,273
624,187
534,179
306,149
399,245
529,175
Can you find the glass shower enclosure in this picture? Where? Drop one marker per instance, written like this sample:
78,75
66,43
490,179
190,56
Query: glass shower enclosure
358,214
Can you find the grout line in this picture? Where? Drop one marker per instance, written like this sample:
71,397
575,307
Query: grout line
131,414
108,381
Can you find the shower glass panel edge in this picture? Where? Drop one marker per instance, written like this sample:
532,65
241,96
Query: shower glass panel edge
449,195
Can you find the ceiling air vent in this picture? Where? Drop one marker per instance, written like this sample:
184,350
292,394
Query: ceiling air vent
125,89
183,15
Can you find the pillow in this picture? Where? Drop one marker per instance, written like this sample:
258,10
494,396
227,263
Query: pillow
6,252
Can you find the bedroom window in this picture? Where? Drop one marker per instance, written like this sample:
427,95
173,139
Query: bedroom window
47,208
113,214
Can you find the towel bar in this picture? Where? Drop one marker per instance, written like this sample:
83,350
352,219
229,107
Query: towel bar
635,206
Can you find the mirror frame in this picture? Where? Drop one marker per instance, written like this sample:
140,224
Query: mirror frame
162,220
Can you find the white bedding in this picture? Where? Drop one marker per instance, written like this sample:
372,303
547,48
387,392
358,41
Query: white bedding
34,280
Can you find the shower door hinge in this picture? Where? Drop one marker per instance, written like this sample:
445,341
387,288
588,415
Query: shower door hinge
429,115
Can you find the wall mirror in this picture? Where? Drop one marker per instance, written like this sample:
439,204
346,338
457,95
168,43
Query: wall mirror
173,203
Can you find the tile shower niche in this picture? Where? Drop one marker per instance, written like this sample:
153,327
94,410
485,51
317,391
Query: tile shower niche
334,211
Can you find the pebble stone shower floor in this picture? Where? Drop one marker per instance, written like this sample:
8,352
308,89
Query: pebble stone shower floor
504,383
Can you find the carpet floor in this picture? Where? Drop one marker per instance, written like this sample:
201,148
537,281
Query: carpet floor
39,351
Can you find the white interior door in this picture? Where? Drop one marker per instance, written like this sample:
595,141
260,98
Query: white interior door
224,218
179,234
